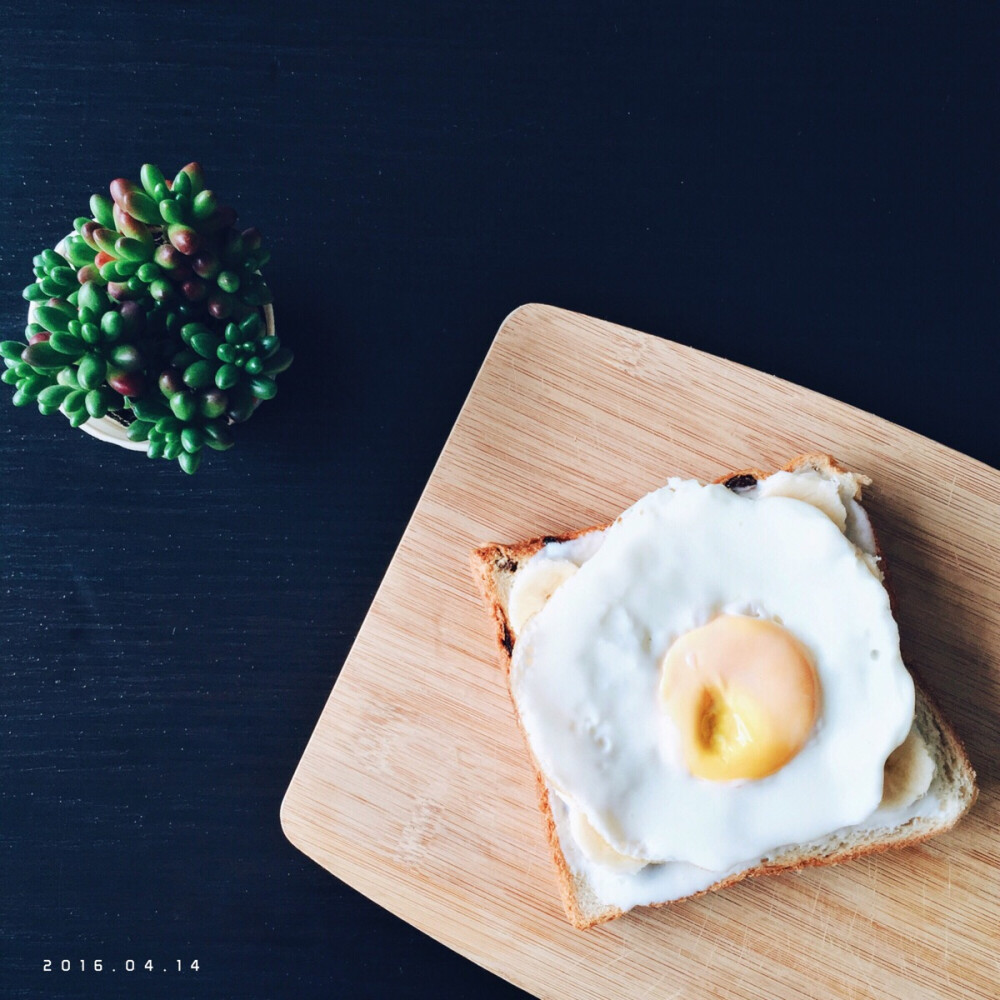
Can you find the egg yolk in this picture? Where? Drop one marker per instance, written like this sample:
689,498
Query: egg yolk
744,694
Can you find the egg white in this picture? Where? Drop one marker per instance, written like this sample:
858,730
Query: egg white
585,674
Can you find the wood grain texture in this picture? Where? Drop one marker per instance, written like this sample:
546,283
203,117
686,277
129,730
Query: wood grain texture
415,788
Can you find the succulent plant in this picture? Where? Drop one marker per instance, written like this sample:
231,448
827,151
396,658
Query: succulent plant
153,312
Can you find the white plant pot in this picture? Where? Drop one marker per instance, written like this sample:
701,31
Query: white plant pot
110,429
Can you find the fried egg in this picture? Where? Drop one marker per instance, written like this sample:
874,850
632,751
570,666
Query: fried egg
720,678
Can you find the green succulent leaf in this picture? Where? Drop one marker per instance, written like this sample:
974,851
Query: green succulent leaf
188,461
233,250
75,401
54,395
131,227
201,374
182,184
53,319
227,376
204,205
252,327
241,403
128,249
183,238
86,233
263,387
105,238
78,253
161,290
43,355
172,212
191,329
96,403
100,208
138,430
141,206
196,175
69,311
90,333
184,358
229,281
94,298
205,344
64,275
168,425
213,403
92,371
151,177
68,344
112,325
278,362
149,272
184,406
110,271
127,357
33,385
150,410
52,288
51,259
192,439
90,272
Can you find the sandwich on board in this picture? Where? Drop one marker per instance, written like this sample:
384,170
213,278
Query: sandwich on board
711,688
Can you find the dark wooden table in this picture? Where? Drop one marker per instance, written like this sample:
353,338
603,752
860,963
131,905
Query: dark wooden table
809,191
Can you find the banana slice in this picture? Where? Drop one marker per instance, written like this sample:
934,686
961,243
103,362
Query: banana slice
908,773
598,849
533,586
810,487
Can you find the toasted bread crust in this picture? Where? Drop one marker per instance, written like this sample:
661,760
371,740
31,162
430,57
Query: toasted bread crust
493,566
489,564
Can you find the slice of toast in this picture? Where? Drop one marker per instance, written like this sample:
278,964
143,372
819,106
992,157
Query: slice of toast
951,792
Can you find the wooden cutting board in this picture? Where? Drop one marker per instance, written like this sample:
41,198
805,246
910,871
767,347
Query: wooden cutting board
415,788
